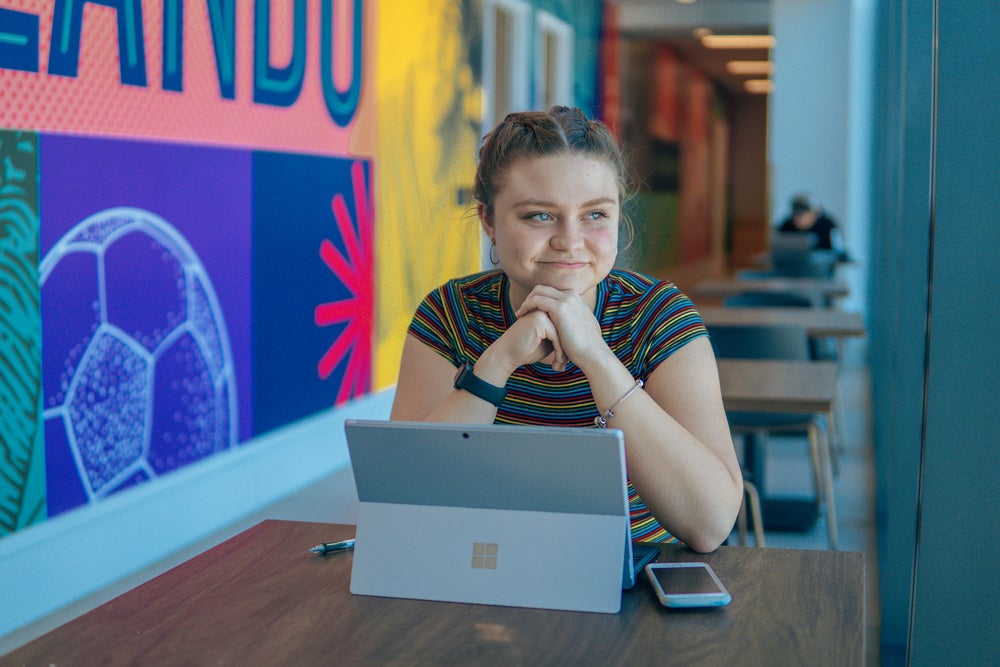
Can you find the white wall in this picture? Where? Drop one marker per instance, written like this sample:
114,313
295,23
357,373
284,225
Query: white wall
820,117
53,564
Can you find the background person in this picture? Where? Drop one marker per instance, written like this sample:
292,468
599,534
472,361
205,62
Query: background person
558,336
808,217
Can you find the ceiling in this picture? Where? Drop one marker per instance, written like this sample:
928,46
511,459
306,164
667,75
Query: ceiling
673,22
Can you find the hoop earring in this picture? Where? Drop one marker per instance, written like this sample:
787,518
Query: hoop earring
493,248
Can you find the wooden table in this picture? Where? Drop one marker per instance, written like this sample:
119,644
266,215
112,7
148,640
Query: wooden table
818,322
818,289
783,386
777,385
261,599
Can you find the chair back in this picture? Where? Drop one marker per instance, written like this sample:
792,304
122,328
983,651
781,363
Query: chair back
759,342
768,299
807,265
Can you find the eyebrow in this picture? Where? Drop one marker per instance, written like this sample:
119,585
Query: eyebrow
547,204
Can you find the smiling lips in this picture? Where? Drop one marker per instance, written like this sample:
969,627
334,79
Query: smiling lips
565,263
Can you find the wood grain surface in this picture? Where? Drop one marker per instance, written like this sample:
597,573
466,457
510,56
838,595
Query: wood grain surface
774,385
818,322
260,598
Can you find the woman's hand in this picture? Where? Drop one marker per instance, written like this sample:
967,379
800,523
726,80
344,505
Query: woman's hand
577,330
530,339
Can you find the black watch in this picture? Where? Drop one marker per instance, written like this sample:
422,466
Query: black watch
467,380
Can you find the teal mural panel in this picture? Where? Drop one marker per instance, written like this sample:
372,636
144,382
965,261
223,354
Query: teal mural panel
22,453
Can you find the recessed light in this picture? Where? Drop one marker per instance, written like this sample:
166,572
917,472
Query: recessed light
758,85
738,41
752,67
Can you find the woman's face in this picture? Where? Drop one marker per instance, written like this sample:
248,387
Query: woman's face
555,223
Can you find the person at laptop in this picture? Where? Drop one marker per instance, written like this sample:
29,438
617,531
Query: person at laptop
808,217
557,336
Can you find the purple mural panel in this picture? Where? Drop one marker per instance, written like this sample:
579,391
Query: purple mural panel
313,285
145,283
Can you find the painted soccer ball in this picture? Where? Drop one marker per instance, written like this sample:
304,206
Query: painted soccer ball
138,374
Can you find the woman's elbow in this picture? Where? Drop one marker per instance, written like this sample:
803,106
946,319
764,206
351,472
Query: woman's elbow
706,542
715,529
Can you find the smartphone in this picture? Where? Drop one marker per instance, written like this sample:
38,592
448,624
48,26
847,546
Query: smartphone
687,585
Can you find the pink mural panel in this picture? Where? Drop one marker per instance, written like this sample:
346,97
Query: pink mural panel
108,71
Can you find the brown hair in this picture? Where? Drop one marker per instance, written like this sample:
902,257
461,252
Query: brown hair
531,134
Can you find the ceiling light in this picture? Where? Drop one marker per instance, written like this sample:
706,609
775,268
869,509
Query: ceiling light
701,32
754,67
738,41
758,85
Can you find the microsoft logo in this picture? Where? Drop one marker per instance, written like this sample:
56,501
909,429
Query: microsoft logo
484,555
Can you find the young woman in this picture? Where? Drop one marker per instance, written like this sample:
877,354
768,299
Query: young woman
557,336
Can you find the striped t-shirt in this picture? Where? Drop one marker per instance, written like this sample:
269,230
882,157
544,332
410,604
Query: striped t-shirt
643,320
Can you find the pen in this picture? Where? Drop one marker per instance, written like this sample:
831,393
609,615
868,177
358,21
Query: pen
327,547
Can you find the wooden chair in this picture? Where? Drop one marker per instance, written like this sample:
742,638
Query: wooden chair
781,342
751,506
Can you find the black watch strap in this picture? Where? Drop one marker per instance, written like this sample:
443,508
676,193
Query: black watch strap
465,379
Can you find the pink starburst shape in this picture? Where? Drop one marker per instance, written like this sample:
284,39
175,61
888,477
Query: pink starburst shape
356,312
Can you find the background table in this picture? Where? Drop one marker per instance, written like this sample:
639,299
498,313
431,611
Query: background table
261,598
778,385
783,386
818,322
817,289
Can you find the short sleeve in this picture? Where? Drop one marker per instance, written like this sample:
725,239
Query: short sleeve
432,325
665,320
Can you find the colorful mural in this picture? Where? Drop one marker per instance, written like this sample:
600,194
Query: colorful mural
313,285
22,448
428,115
187,228
210,239
145,272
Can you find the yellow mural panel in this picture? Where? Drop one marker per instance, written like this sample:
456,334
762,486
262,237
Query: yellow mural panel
428,118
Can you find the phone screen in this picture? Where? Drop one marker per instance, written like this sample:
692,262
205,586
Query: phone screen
685,580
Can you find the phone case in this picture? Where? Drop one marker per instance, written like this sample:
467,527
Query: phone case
717,598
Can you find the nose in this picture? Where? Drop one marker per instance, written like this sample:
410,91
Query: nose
568,236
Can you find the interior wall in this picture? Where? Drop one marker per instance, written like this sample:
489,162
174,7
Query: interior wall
819,123
194,237
900,242
748,182
934,352
429,86
955,614
672,128
807,133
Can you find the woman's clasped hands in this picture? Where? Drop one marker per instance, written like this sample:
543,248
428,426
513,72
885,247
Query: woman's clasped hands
554,327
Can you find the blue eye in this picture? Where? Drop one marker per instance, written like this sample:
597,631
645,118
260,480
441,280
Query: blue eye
597,215
541,216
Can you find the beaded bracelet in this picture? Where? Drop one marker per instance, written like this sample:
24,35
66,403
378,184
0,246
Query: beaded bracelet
601,421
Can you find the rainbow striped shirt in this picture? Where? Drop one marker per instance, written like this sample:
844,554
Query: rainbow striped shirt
643,320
